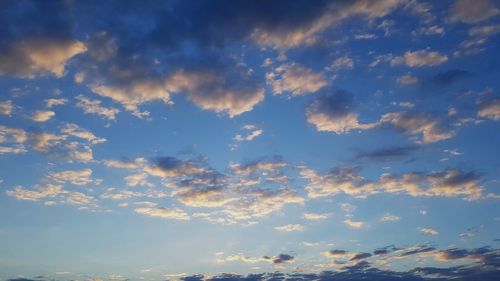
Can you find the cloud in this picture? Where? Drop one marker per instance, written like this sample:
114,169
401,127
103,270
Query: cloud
428,231
252,134
420,58
290,228
314,216
39,192
166,213
280,259
49,103
484,31
94,107
18,149
387,154
317,21
473,11
389,217
76,177
211,196
215,88
295,79
343,62
333,113
43,141
489,108
166,167
407,79
126,163
75,131
354,224
426,128
6,107
12,135
448,183
43,115
253,167
31,57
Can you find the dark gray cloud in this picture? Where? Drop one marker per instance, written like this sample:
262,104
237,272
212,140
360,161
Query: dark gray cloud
387,154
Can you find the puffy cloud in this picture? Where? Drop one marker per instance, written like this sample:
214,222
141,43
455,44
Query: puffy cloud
43,115
6,107
290,228
49,103
295,79
333,113
280,259
12,135
75,131
203,197
43,141
253,133
258,203
216,89
428,231
489,108
126,163
37,56
166,213
420,58
343,180
76,177
18,149
429,127
219,91
285,37
39,192
94,107
343,62
449,183
354,224
473,11
167,167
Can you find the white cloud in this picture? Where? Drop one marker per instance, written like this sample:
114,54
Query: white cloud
43,115
428,231
314,216
39,192
166,213
425,127
6,108
290,228
489,109
295,79
49,103
76,177
389,217
407,79
354,224
343,62
75,131
94,107
420,58
31,57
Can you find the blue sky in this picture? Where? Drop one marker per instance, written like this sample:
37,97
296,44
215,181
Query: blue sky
190,140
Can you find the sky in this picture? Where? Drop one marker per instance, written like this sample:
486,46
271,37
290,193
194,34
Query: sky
249,140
